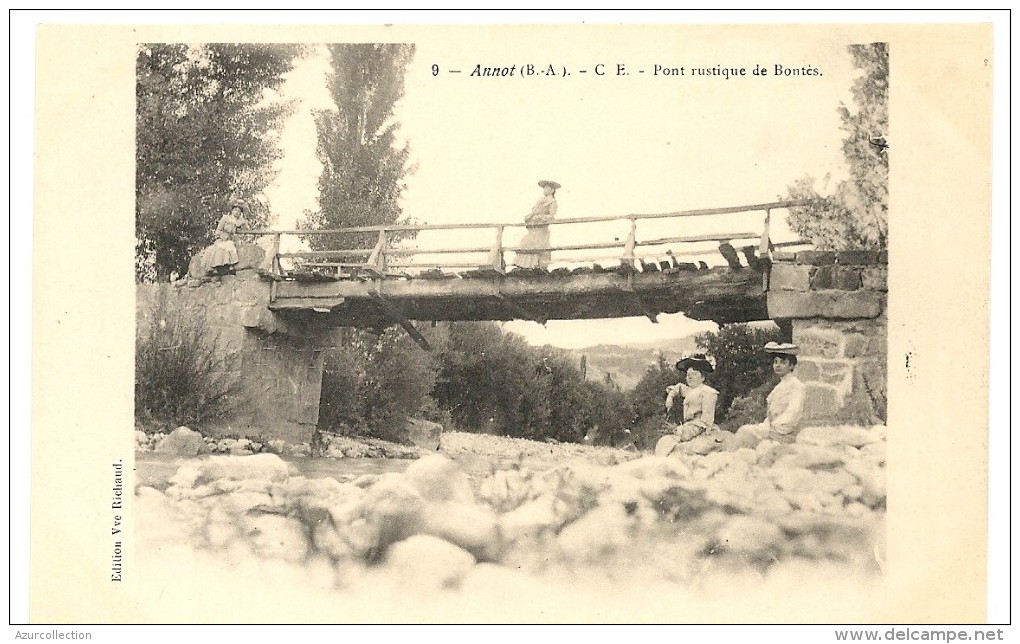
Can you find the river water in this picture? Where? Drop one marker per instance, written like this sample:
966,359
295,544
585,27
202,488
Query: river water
154,470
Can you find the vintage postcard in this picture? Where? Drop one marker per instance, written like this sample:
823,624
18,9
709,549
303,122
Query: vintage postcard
341,323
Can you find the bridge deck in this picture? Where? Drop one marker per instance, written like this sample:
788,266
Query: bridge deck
719,294
364,292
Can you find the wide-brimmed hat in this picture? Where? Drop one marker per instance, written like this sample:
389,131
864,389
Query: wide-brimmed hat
785,347
551,184
239,203
697,361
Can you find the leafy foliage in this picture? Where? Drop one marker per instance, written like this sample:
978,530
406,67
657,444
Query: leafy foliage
495,383
363,165
648,401
378,380
488,382
740,363
176,379
751,407
607,415
855,214
204,131
375,382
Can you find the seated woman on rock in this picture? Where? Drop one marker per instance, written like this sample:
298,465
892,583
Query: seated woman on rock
698,434
785,403
222,255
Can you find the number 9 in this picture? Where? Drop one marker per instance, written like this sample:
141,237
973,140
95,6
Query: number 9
435,70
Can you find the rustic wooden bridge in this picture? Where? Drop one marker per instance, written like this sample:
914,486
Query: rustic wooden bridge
387,283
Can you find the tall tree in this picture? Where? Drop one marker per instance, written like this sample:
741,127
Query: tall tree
364,166
855,214
363,169
205,128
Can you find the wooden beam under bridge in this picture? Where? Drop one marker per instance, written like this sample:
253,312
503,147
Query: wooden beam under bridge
718,294
393,312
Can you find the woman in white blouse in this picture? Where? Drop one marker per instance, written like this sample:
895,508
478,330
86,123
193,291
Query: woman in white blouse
699,401
785,409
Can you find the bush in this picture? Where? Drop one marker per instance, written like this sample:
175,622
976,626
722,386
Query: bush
740,363
648,403
493,382
648,398
751,408
607,414
176,379
373,383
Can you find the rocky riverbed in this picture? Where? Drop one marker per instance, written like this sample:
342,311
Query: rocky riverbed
499,529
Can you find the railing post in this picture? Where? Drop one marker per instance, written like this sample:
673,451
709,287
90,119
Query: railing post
496,260
766,243
628,246
275,268
765,252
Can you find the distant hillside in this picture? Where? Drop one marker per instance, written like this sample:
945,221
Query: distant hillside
627,363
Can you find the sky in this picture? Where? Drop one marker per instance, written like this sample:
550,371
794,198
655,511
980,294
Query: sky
618,143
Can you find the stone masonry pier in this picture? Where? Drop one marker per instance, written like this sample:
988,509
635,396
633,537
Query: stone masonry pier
835,303
276,365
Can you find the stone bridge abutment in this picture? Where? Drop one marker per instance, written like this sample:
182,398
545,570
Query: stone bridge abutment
835,305
274,364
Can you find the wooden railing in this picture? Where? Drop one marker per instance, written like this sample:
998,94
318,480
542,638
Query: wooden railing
383,259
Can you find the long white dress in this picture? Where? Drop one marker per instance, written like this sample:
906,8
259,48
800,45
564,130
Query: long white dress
538,234
699,419
223,252
785,413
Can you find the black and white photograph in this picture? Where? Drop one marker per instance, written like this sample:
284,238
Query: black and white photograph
513,323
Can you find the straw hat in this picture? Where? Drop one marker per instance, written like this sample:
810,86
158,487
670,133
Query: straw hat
239,203
549,184
786,347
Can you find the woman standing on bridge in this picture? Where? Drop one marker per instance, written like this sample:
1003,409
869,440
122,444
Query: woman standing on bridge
538,228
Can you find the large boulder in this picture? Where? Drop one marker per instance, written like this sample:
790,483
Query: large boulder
389,511
249,256
750,538
278,537
439,479
423,433
470,526
505,490
427,562
600,534
182,442
218,474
